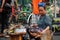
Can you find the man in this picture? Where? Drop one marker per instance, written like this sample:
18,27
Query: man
1,9
44,22
6,9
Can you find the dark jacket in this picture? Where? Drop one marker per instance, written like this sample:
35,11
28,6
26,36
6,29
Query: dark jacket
6,6
45,21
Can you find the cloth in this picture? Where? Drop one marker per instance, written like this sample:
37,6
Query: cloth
33,18
20,29
47,36
42,4
35,6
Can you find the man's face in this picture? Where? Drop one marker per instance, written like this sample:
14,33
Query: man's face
41,10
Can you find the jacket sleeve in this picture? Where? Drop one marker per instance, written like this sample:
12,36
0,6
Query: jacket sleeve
48,22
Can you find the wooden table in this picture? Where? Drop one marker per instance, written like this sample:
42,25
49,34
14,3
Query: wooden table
16,36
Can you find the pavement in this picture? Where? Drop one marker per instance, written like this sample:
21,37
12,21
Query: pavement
3,38
55,37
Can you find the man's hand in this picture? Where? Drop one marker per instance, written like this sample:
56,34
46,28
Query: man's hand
43,32
33,34
39,34
1,9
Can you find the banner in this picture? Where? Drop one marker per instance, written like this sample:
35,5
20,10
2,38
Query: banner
35,6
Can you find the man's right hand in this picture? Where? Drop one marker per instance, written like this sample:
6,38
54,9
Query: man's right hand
1,9
33,34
